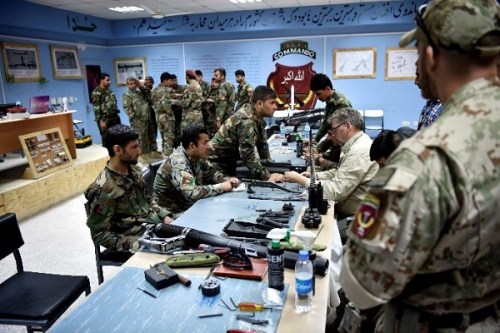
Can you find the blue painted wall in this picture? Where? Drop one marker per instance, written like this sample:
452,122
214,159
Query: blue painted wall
244,40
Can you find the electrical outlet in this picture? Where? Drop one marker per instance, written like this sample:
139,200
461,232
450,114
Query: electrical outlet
406,123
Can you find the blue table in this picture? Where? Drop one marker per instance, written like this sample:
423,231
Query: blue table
212,214
118,306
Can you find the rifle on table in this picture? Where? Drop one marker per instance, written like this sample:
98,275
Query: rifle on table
273,167
196,237
309,116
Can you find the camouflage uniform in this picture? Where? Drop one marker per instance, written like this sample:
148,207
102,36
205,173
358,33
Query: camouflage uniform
205,87
163,99
243,95
428,229
105,108
237,139
180,113
180,182
349,182
191,104
138,111
433,209
146,92
209,113
224,101
157,95
337,101
118,207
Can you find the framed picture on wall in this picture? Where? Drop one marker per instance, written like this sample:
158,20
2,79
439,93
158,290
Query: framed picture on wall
129,67
400,63
21,62
65,63
354,63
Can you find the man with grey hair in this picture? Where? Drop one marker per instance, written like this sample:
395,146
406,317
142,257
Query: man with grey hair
425,242
347,183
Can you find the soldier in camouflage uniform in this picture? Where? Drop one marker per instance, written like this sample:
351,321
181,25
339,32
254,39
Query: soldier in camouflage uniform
118,200
191,101
225,99
209,111
205,86
138,111
146,89
244,91
242,134
105,107
182,106
322,87
426,240
178,88
163,97
186,177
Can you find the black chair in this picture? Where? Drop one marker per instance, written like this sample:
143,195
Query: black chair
34,300
149,176
106,257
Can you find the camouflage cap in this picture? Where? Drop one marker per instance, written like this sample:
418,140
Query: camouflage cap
457,25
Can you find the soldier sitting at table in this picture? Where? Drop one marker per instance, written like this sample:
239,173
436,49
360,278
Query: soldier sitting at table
186,176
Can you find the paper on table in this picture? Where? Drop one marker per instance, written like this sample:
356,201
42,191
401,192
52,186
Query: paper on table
240,188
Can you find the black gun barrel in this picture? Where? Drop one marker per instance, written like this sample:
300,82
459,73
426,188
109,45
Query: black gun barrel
196,237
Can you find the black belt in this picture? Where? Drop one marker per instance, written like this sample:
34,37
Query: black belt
455,320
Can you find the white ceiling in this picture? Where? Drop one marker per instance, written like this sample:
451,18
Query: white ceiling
99,8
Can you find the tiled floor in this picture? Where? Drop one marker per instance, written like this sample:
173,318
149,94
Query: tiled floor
57,240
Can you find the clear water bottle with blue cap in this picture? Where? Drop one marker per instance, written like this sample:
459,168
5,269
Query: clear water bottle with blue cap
303,282
282,130
307,131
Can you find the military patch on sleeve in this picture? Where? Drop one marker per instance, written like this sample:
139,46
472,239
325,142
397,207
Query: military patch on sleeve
101,209
367,214
188,181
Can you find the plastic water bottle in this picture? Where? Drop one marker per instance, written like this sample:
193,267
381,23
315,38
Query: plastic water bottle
303,282
282,130
283,134
307,130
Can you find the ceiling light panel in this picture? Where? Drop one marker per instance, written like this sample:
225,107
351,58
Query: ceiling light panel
127,9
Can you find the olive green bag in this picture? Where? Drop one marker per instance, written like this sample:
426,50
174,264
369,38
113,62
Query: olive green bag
193,260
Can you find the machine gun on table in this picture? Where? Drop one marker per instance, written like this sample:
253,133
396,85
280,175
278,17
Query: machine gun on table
150,243
309,116
196,237
273,167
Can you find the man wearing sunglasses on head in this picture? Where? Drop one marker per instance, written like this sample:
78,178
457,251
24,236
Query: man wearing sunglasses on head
425,241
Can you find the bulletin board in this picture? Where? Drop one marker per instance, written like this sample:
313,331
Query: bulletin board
46,152
354,63
400,63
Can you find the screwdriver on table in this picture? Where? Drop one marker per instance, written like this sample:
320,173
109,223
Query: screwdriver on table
251,306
